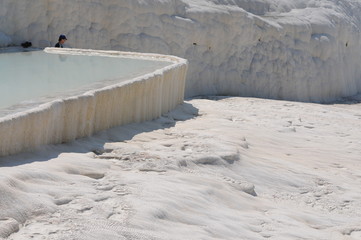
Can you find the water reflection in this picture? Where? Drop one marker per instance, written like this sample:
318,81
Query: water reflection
26,53
33,77
62,57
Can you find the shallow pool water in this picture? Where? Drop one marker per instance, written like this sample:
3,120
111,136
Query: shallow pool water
33,77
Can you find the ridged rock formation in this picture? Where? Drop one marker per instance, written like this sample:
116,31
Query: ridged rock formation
297,50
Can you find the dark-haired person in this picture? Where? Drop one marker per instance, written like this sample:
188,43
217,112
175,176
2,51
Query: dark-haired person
61,41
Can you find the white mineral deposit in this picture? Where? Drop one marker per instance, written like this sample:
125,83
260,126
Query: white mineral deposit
266,144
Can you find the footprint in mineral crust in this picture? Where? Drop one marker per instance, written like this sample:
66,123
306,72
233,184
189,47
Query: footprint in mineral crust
8,226
243,185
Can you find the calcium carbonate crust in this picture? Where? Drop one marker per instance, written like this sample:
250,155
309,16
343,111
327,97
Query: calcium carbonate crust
285,49
136,100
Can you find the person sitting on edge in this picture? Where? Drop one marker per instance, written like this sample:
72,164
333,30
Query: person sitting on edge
61,41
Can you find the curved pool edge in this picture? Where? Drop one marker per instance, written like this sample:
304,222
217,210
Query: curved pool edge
63,120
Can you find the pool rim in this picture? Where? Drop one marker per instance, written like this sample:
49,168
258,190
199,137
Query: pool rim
100,53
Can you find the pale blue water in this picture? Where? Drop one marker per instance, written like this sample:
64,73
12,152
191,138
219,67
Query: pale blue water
30,78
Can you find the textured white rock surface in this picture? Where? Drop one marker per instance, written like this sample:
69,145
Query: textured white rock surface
217,168
5,40
300,50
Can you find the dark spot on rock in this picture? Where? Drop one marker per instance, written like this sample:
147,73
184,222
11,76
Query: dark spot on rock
98,151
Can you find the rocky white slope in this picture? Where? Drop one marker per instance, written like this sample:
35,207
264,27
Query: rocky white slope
307,50
216,168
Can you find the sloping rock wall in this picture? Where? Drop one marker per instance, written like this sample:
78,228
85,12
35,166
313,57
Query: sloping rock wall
296,50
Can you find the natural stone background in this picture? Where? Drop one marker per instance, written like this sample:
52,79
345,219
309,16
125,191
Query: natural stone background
295,50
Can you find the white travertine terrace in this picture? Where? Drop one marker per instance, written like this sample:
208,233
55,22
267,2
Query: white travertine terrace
303,50
136,100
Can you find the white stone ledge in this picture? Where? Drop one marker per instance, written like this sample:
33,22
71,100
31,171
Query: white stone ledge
135,100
